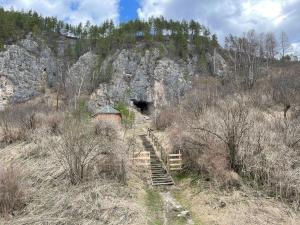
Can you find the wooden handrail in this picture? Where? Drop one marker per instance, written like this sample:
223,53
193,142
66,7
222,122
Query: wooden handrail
168,159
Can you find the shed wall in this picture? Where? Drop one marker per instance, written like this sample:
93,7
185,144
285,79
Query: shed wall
114,118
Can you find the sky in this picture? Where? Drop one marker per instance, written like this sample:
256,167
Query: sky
221,16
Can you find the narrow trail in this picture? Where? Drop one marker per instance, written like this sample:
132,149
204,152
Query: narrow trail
159,175
173,212
172,208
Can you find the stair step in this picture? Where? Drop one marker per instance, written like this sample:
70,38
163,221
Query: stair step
162,183
167,177
161,179
159,175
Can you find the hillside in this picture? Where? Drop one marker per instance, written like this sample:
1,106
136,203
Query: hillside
77,103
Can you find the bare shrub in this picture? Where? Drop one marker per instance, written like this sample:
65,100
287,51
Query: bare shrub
201,154
164,119
11,196
286,91
54,122
227,124
106,129
17,120
81,149
9,132
270,157
27,116
205,92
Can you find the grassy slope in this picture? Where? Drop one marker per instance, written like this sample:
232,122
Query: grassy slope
50,198
242,206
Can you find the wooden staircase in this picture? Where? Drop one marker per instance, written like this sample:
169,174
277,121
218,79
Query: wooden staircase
159,174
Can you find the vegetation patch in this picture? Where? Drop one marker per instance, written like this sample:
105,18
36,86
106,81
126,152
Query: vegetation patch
11,195
127,115
154,204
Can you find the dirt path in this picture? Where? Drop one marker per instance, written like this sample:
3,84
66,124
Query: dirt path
173,212
167,210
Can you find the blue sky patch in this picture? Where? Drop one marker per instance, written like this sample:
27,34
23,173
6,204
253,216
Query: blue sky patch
74,5
128,10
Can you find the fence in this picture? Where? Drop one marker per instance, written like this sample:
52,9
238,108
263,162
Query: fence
172,162
141,159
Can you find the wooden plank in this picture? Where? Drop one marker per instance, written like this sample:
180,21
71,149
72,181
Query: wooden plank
174,155
175,164
171,160
175,169
142,153
141,158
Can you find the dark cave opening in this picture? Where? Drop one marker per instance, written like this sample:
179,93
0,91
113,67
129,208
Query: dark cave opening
143,106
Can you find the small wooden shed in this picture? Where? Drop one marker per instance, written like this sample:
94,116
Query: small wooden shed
108,114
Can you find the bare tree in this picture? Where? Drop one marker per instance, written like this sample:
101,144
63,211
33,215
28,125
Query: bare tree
284,43
270,45
247,55
286,91
79,148
231,129
74,85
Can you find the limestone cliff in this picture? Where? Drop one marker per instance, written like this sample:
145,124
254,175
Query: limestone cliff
21,68
144,74
151,76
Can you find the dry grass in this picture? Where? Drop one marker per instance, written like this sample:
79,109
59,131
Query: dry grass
236,135
164,119
11,195
100,199
54,122
19,121
270,156
238,207
52,200
81,149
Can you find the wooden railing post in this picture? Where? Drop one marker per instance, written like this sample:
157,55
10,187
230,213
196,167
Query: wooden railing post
172,162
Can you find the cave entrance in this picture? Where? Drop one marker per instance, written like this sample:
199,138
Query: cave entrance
143,106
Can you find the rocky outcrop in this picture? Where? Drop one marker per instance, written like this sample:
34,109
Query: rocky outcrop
82,71
142,77
143,74
23,65
218,65
6,91
149,77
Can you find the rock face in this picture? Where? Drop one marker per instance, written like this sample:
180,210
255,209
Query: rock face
82,71
149,77
23,65
138,75
145,76
218,65
6,91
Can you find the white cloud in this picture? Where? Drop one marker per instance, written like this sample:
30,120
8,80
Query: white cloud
230,16
267,9
296,49
96,11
